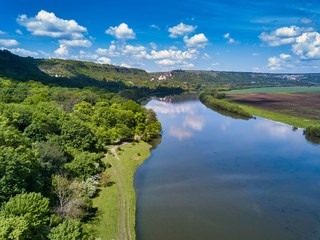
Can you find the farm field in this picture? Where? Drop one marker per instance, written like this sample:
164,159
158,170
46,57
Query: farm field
275,89
299,104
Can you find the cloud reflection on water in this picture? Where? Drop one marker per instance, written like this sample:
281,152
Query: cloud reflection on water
275,129
192,118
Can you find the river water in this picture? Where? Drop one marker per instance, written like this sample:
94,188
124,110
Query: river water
219,178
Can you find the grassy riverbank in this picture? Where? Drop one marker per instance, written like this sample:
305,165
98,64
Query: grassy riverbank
116,203
211,102
291,120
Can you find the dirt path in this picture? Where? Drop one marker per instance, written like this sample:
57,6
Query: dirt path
124,218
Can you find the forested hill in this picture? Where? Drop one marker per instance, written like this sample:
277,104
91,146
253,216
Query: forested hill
204,79
130,82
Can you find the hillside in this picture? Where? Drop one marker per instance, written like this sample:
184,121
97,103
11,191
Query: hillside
205,79
137,82
132,83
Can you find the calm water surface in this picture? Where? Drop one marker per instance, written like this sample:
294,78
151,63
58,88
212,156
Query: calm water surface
218,178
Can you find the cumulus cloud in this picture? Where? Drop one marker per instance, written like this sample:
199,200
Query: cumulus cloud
230,40
177,63
87,55
305,42
23,52
8,42
173,54
283,36
62,51
181,30
46,24
197,41
215,64
104,60
166,62
2,32
76,43
122,32
111,51
279,63
135,51
307,46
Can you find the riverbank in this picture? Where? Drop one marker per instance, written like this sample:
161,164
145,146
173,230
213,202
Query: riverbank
287,119
212,102
116,203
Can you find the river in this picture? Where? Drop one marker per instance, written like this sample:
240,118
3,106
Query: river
219,178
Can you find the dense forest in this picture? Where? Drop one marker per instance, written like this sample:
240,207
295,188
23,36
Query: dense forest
52,141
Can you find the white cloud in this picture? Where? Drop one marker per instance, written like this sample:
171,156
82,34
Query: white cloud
46,24
155,27
23,52
121,32
197,41
8,42
181,30
111,51
177,63
305,42
284,56
2,32
76,43
135,51
173,54
104,60
283,36
215,64
307,46
19,32
255,54
166,62
230,40
279,63
194,122
87,55
126,65
62,51
179,133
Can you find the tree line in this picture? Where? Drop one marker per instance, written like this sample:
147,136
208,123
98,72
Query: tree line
52,141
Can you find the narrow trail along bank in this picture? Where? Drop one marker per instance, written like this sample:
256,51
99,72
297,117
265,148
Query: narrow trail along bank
124,232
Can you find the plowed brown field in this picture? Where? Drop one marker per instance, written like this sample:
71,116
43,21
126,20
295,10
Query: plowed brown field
299,104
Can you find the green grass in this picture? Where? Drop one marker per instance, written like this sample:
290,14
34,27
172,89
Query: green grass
275,89
291,120
108,200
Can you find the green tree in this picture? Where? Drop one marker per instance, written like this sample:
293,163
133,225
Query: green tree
19,172
32,208
14,228
69,230
85,164
78,135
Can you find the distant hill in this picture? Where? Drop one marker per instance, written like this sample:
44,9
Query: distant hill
205,79
69,72
137,82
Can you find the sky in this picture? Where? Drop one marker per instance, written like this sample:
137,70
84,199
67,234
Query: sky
221,35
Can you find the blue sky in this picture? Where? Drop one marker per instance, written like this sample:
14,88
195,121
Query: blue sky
224,35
